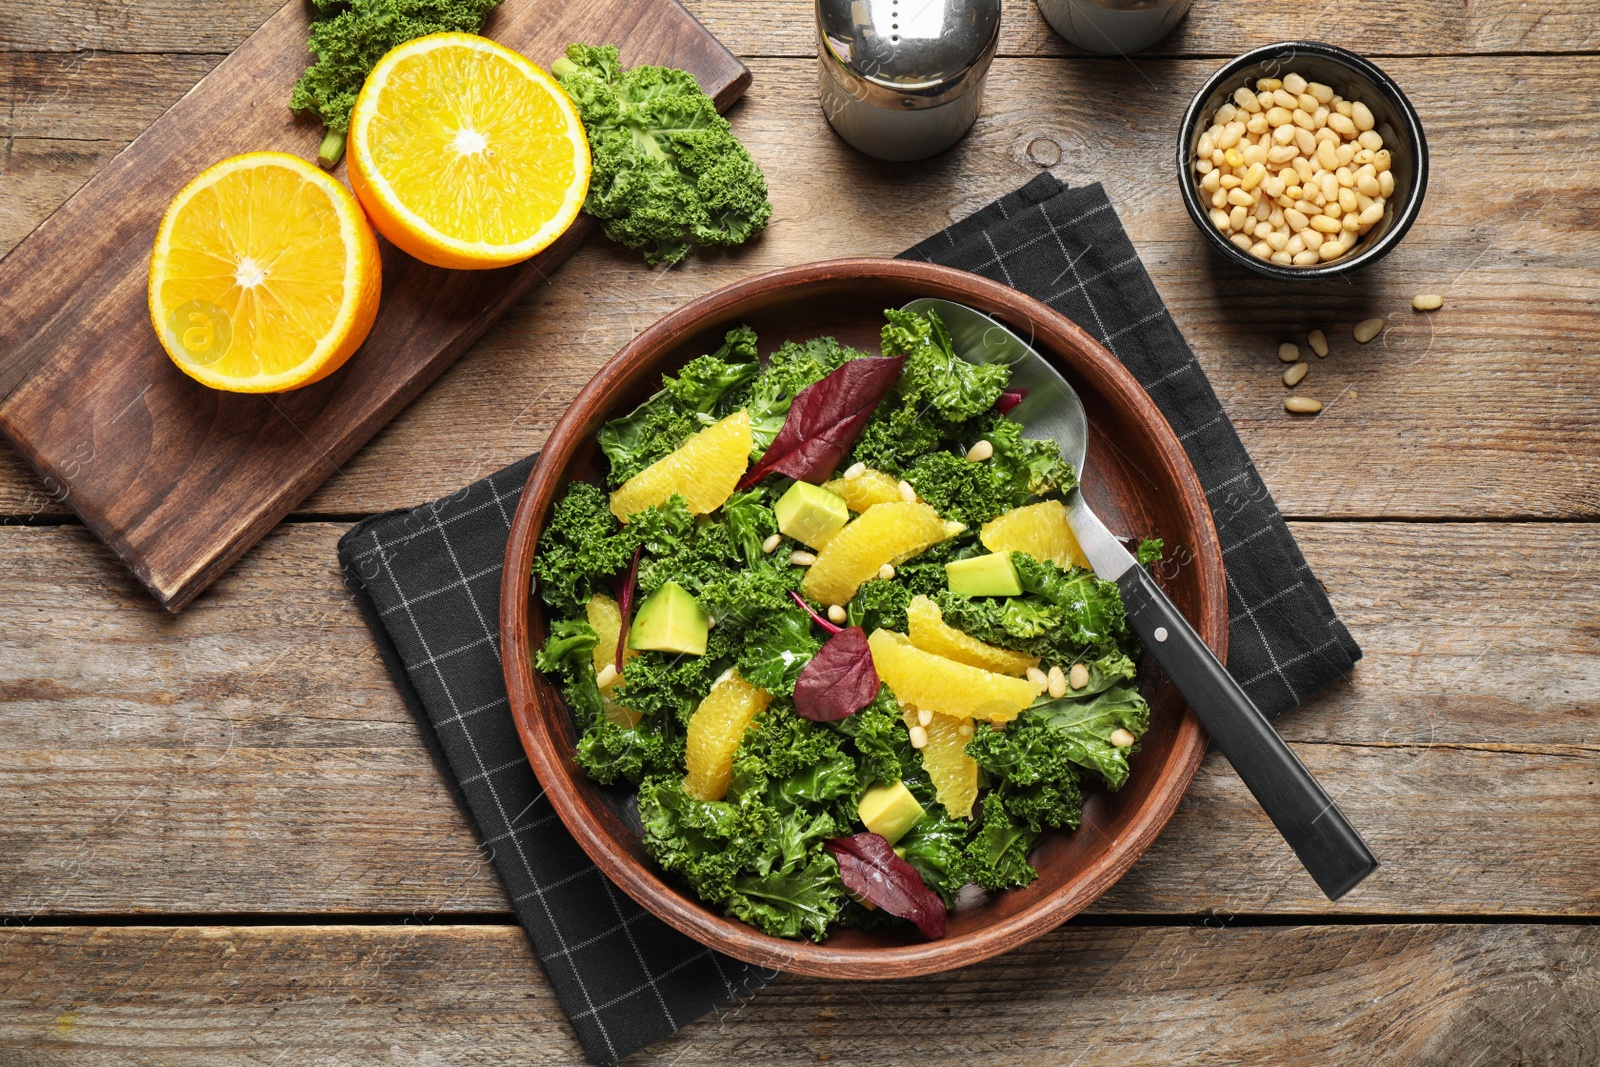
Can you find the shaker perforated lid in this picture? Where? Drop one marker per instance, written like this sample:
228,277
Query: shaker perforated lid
908,53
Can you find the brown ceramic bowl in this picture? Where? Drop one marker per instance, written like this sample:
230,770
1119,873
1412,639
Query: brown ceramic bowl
1138,480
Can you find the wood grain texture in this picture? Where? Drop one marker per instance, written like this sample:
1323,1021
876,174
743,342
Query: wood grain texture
1405,995
784,27
181,480
1479,410
251,755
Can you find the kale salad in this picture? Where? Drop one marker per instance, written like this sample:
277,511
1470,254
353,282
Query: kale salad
827,618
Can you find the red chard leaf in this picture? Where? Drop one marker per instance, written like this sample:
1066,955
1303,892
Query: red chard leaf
1010,399
625,604
869,868
818,619
825,419
839,681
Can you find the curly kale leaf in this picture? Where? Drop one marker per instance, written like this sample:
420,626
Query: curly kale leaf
1084,727
684,406
879,604
751,521
880,736
1150,551
1091,605
779,646
1032,773
668,172
584,545
348,39
934,376
610,752
934,847
568,654
997,855
793,902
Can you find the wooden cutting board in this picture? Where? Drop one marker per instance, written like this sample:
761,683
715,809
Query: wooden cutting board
181,480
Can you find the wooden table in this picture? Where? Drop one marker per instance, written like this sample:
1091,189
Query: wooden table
221,841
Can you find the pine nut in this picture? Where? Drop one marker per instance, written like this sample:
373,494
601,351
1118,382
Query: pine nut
1057,680
1361,115
770,545
924,717
1040,680
1427,301
607,675
854,471
886,571
802,559
980,451
711,622
1294,83
1078,677
1302,405
908,494
1293,376
1122,738
1319,342
1367,329
1306,258
837,614
965,729
919,737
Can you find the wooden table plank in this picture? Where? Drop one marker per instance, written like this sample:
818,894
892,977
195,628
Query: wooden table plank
251,755
1480,410
1407,995
784,27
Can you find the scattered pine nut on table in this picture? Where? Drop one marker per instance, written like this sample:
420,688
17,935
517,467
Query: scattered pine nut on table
1319,342
1293,376
1367,329
1427,301
1302,405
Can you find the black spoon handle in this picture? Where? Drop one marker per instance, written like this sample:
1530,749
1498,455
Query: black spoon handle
1315,828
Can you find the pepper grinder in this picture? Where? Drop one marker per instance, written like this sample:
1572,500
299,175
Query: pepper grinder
903,79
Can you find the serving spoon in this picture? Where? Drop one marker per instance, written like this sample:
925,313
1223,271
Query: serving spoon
1329,847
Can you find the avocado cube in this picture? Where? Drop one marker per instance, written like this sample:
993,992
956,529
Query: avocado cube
889,810
670,620
991,575
810,514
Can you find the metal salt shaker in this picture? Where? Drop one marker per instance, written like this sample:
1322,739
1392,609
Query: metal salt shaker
903,79
1113,27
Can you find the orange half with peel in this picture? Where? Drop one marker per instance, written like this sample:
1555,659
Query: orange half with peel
465,154
264,275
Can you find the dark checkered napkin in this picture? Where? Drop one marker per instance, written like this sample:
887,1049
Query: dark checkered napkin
428,581
1066,248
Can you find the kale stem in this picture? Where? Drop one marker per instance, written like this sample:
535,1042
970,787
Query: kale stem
331,150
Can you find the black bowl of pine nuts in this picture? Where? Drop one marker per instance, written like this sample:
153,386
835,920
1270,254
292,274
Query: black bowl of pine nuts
1302,160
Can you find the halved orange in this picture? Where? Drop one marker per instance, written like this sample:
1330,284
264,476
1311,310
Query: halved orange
264,275
465,154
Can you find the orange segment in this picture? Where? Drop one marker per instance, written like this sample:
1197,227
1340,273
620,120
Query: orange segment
945,686
1041,530
264,275
465,154
930,633
606,618
715,730
873,487
704,470
954,773
884,533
